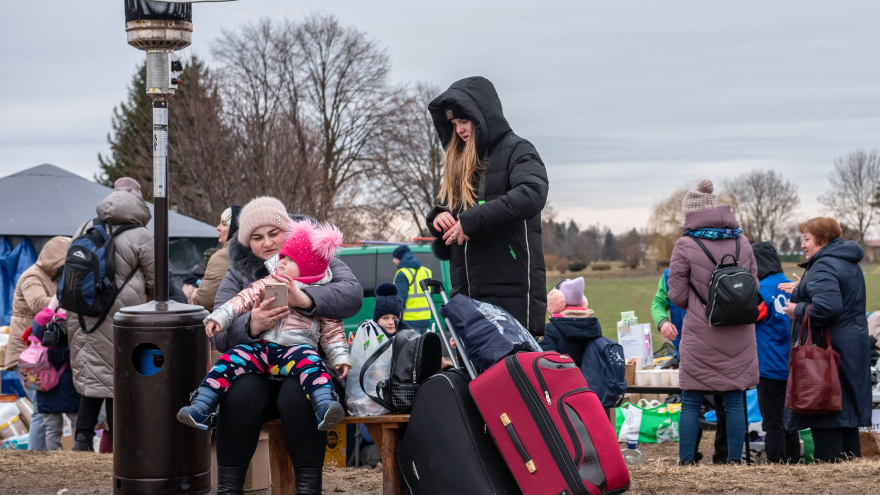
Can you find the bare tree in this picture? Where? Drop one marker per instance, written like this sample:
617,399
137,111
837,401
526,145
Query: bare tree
854,188
764,203
344,81
411,158
665,226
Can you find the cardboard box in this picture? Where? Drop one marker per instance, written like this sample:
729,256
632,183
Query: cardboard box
67,435
630,373
336,450
26,409
257,477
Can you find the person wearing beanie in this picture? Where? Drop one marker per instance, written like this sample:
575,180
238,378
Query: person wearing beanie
252,399
290,349
572,323
260,212
63,397
388,309
218,263
713,359
410,272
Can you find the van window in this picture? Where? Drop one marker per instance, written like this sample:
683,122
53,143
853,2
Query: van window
364,268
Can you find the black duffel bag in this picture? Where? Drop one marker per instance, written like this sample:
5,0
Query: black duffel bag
414,358
55,333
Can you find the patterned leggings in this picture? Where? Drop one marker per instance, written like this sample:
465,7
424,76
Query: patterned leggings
273,361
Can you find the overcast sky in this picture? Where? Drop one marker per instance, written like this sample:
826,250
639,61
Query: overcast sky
625,100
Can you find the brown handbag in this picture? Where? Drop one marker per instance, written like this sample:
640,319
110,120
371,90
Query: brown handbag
813,379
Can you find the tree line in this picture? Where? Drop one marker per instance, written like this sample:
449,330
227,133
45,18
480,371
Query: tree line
765,204
299,110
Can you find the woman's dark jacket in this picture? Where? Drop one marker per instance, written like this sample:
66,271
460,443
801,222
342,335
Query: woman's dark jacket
63,398
340,299
835,286
503,263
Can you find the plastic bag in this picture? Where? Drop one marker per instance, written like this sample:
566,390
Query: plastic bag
18,442
652,423
367,339
488,332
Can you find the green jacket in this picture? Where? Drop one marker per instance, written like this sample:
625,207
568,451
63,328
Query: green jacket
660,305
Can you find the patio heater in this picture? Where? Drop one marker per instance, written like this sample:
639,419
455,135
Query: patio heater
161,349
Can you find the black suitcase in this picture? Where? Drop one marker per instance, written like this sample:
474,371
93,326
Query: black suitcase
447,447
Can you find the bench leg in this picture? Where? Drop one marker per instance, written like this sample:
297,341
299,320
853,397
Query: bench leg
386,437
281,469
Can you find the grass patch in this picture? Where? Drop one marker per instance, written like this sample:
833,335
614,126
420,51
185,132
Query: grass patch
619,291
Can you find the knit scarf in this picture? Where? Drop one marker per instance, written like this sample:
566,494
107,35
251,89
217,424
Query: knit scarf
713,234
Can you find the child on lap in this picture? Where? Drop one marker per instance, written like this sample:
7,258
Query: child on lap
289,349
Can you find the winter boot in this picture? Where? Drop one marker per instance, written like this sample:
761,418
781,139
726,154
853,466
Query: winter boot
307,480
83,443
201,410
230,480
327,409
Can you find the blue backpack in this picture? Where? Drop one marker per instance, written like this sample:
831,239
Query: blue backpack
88,278
604,367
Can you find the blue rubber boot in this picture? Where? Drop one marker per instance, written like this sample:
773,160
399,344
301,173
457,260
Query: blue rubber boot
200,413
328,410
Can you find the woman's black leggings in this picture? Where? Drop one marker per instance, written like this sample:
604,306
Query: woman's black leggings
251,401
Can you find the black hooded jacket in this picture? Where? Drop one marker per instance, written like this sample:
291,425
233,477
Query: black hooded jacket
502,263
766,259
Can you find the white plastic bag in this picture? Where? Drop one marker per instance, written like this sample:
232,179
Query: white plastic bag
368,338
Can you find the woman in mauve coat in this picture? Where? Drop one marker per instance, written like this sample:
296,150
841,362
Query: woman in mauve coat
713,359
833,287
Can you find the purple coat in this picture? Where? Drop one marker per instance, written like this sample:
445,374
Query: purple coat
712,358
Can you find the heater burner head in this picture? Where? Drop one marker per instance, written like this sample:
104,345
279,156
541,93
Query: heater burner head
148,34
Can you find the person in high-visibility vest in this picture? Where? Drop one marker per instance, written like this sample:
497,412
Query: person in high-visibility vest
416,313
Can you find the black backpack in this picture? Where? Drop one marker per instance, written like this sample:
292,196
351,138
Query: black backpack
88,277
733,294
414,358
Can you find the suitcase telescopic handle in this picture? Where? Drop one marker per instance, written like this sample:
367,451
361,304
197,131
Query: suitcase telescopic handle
426,285
530,465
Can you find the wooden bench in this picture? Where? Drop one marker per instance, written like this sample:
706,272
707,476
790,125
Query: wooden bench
386,432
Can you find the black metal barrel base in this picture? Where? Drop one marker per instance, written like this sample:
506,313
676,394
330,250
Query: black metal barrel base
199,484
161,358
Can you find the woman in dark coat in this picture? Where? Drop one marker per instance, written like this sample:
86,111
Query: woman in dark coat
252,400
494,188
833,287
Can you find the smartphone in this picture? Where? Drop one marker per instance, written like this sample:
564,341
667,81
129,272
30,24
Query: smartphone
279,292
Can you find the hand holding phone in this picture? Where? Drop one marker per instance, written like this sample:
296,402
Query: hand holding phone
279,292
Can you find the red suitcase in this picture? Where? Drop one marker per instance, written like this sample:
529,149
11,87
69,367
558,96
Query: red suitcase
550,427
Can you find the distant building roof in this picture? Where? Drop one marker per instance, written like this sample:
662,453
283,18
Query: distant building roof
873,243
47,201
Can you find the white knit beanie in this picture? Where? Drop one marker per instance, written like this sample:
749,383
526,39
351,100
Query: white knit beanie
258,213
699,198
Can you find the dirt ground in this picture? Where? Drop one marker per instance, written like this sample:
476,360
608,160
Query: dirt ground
50,473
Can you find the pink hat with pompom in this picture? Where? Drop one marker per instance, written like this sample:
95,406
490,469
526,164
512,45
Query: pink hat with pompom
312,248
569,293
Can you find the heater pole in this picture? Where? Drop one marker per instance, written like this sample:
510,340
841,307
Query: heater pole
160,196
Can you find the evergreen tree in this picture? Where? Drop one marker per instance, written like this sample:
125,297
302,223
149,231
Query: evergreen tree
130,151
609,247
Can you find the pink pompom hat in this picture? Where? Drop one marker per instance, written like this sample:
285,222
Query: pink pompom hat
311,247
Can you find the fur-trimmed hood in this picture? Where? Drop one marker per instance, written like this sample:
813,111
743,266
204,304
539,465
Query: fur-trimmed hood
245,262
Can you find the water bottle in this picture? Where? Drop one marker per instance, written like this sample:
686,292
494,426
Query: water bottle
631,454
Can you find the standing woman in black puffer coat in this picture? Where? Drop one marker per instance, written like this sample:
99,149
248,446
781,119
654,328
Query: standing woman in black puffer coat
488,222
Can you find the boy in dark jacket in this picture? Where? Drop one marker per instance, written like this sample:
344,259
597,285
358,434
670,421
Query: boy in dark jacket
772,332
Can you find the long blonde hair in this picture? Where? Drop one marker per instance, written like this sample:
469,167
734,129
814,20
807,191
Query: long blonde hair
459,171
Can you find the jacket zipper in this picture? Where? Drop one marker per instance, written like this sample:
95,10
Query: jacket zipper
545,425
541,381
417,361
575,440
466,274
529,279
